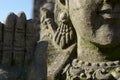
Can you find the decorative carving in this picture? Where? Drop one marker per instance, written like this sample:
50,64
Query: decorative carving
94,71
65,35
96,25
47,21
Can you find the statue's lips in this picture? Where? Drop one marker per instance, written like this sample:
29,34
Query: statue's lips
108,14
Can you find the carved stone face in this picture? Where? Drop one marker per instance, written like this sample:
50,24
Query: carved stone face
98,21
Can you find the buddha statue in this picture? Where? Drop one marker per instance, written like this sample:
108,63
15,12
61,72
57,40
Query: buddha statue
94,25
83,42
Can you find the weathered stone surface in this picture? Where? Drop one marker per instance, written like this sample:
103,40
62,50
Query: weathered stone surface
59,63
30,41
37,4
65,35
47,25
17,46
94,25
8,38
48,29
93,72
19,39
11,73
38,69
97,30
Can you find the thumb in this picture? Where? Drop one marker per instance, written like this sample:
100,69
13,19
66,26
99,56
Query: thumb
38,70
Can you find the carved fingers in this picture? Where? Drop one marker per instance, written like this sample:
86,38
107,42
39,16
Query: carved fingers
65,35
8,38
17,40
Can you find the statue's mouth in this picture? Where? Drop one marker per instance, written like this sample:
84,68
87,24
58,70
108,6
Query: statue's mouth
109,14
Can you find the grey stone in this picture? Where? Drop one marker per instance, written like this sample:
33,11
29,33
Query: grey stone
17,46
55,68
19,39
38,69
95,34
8,38
92,25
11,73
31,41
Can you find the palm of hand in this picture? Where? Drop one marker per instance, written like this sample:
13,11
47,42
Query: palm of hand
17,44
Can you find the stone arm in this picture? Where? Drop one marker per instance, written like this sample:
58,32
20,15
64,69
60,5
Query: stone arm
61,39
47,22
63,33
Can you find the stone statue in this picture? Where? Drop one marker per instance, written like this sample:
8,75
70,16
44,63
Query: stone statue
79,40
95,27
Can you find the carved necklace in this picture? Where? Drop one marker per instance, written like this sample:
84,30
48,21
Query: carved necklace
93,71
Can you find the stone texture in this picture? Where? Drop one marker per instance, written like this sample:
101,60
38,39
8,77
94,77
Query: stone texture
11,73
96,27
30,40
59,63
37,4
38,69
19,39
8,38
95,33
17,46
65,35
90,71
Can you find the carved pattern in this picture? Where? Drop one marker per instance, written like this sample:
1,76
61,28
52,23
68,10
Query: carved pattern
93,71
47,22
65,35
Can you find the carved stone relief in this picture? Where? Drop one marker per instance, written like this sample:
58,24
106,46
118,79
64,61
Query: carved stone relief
93,25
79,38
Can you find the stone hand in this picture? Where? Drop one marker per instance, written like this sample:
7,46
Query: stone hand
64,36
17,46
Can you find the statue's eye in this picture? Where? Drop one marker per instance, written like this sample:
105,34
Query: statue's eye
63,2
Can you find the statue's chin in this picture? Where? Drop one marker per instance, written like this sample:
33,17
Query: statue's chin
105,36
107,44
104,42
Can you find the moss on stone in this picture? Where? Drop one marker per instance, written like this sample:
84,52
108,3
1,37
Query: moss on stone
87,44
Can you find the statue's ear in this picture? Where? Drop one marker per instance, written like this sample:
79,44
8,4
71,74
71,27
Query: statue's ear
63,2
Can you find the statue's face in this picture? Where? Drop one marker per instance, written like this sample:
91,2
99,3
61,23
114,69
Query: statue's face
96,20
